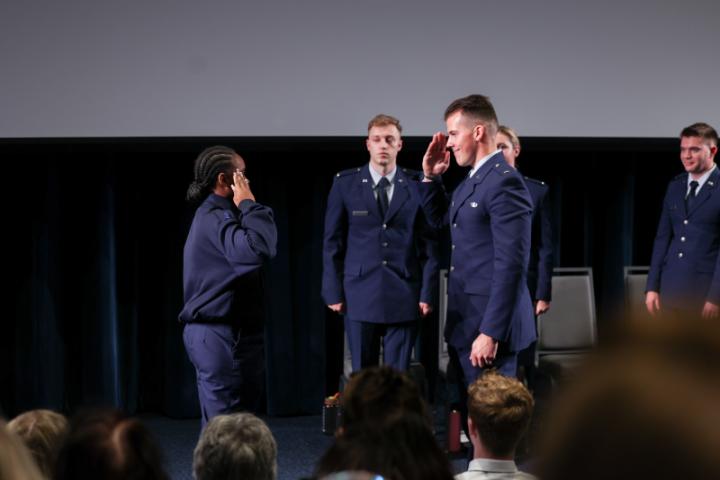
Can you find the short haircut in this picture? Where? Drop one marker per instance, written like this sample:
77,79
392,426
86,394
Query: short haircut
702,130
511,134
15,460
238,445
376,394
43,433
500,407
108,444
478,108
383,120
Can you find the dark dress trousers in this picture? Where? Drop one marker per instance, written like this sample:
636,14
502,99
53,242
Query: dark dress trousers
381,267
224,312
685,267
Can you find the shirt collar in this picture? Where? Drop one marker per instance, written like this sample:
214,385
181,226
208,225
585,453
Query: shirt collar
218,201
376,176
491,465
482,162
701,181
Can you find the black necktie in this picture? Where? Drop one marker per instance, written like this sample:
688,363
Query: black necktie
382,196
690,199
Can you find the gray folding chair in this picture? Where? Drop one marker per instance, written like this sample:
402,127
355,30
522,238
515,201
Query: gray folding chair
567,332
635,282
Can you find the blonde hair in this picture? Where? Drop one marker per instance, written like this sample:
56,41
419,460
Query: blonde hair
383,120
16,463
511,134
500,407
42,432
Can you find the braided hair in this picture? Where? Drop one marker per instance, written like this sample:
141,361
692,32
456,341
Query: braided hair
208,165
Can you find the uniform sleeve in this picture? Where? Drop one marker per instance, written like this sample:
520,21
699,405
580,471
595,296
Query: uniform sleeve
434,202
334,245
545,250
660,247
250,238
510,210
428,254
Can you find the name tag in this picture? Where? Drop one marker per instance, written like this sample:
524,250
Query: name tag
360,213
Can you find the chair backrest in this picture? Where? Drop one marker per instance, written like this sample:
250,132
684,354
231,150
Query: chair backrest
443,355
635,282
570,322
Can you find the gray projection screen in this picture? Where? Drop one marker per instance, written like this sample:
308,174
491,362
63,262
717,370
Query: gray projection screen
323,68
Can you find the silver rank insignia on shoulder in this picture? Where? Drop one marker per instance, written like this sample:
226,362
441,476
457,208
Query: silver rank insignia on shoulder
711,183
400,180
364,180
473,204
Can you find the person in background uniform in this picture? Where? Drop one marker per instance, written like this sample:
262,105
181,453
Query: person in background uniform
684,275
539,275
380,266
490,314
230,238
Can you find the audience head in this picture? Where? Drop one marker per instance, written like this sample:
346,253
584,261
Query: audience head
509,144
238,445
499,411
16,462
646,407
106,444
352,475
404,448
213,167
376,394
43,433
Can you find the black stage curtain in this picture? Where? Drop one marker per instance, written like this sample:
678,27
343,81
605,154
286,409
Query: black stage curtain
94,230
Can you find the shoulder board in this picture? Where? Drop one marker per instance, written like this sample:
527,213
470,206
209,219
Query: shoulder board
538,182
502,168
411,173
347,172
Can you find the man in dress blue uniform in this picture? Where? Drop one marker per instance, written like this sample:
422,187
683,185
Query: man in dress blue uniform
490,314
539,275
684,272
380,266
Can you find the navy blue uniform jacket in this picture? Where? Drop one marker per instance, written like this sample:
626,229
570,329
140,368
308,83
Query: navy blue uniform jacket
380,267
685,267
224,250
489,217
539,276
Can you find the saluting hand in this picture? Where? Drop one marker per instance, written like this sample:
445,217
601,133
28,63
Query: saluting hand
241,188
436,160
